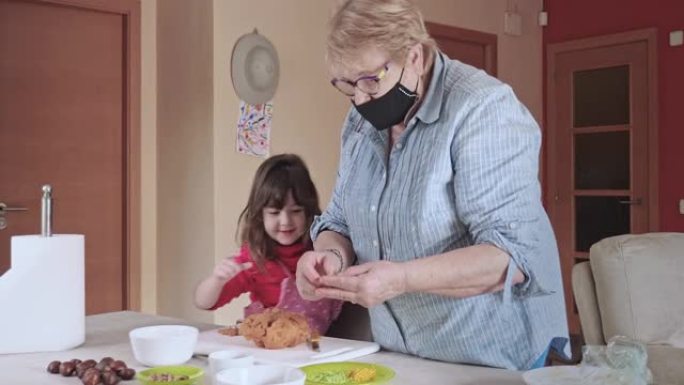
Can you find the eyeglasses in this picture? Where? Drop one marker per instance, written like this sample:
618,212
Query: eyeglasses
368,84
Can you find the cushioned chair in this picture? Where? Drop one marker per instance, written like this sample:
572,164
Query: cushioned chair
353,323
633,285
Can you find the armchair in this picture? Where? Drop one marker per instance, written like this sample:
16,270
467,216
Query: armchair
633,285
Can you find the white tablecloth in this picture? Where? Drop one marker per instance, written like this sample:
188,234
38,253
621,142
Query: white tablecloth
107,335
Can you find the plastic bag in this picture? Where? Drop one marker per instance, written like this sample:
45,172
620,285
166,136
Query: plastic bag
627,359
621,362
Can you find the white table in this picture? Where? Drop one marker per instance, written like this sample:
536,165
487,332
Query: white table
107,335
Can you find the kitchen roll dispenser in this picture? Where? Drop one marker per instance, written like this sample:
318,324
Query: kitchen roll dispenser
42,295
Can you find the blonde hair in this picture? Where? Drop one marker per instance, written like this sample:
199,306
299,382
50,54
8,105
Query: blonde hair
393,26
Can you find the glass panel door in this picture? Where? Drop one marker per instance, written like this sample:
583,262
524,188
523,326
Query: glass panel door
601,96
601,148
599,153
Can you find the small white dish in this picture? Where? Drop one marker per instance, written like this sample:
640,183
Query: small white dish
163,345
261,375
226,359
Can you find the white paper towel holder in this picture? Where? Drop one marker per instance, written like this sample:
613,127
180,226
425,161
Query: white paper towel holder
46,211
43,293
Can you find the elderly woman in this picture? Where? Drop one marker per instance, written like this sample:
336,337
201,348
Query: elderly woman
435,223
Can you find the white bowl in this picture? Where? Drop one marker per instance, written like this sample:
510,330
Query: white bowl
163,344
226,359
261,375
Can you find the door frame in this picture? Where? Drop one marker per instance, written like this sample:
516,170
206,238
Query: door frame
130,13
644,35
488,40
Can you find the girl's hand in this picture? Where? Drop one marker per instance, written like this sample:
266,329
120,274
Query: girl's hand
228,268
311,267
368,285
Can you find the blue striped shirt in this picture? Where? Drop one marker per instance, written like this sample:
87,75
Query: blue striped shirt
464,172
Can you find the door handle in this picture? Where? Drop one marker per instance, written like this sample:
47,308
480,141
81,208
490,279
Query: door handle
4,208
636,201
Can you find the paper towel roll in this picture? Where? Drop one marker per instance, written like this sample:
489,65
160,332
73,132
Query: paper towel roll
42,296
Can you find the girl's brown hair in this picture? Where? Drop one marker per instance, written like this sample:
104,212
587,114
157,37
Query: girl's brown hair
276,176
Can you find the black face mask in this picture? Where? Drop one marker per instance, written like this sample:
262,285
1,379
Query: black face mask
389,109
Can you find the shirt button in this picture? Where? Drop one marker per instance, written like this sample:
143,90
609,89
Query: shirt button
372,208
399,145
513,225
375,243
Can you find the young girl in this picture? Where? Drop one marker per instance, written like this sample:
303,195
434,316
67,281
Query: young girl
274,234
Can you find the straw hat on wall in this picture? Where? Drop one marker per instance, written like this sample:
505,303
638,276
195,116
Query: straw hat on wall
254,68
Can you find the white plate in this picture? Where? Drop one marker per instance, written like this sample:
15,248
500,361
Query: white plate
332,349
568,375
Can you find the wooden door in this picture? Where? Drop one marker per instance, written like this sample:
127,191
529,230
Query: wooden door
475,48
68,117
602,146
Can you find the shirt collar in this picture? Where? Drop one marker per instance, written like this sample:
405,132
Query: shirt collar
429,110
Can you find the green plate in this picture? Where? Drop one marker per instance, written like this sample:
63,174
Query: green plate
193,373
336,373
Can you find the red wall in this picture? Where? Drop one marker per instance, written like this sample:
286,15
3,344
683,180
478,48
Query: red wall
575,19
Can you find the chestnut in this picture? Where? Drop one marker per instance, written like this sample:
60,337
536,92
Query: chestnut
91,377
107,371
127,374
53,367
80,371
117,364
67,368
110,378
83,366
91,363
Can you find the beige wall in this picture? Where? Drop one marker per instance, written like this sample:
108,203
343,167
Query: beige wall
307,111
202,182
185,218
519,57
148,289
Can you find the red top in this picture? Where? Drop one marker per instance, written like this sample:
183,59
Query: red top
263,287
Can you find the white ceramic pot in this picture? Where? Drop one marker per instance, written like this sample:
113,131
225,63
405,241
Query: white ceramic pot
261,375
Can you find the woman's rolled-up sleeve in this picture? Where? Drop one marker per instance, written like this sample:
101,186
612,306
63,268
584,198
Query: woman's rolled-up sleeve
333,218
495,155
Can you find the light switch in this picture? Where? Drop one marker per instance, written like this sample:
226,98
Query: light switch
681,206
513,23
676,38
543,18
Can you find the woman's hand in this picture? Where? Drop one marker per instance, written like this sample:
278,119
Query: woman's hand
368,285
227,268
311,267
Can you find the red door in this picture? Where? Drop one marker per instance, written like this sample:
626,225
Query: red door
64,122
601,147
